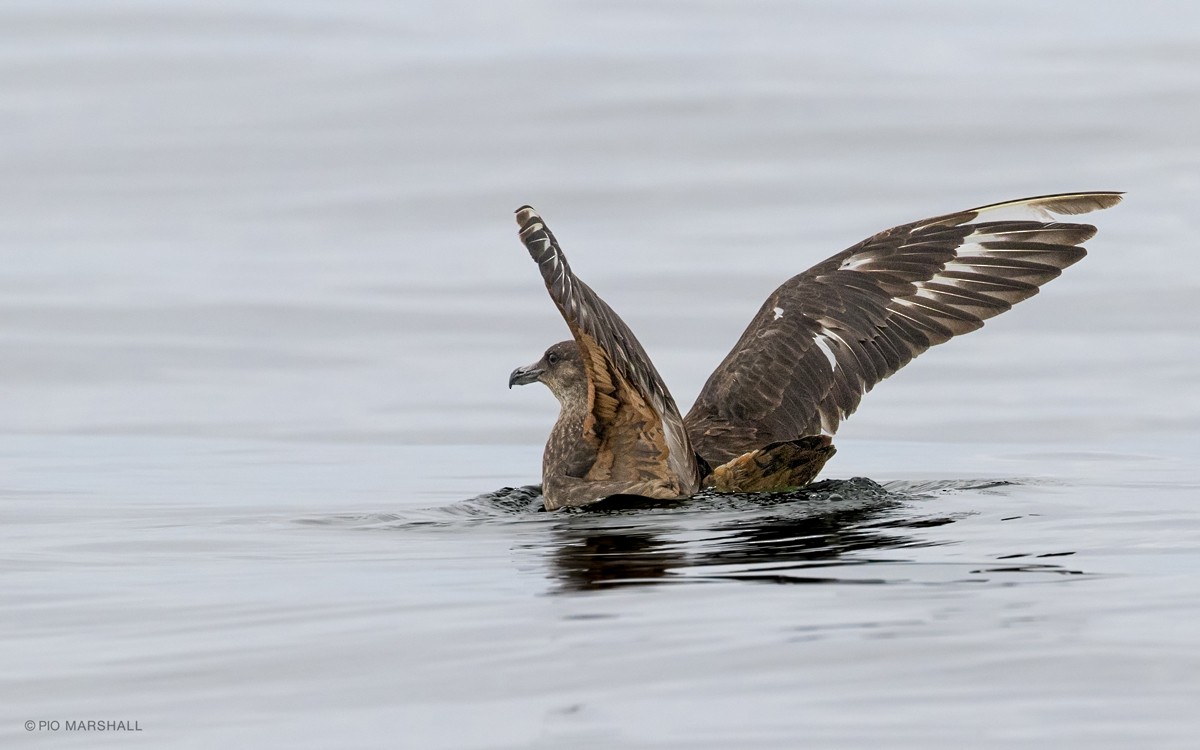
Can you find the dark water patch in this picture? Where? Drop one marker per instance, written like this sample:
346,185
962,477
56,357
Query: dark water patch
715,537
505,501
1031,568
852,531
851,491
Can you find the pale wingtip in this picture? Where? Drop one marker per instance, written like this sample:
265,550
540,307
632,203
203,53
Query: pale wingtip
1082,203
1063,204
526,214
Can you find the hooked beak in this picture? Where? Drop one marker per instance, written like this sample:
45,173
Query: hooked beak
524,375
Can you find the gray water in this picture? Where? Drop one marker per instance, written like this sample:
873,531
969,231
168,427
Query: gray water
260,293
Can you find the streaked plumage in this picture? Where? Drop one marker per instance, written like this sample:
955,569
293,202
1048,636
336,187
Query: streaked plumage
818,343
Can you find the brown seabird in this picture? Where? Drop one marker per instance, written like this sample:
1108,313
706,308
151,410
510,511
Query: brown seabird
764,420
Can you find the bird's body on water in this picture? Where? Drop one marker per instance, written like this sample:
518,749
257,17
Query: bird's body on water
764,421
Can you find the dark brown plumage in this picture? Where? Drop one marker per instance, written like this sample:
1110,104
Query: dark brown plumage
625,433
819,342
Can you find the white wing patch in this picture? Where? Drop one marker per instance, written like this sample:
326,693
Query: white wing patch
853,262
822,342
778,313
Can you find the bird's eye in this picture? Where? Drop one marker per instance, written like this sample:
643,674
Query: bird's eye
552,359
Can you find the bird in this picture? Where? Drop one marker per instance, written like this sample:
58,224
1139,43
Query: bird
765,419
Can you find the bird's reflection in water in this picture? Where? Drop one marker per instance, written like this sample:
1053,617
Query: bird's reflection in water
585,559
764,539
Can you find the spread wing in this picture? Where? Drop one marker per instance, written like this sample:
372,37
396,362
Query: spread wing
827,336
633,421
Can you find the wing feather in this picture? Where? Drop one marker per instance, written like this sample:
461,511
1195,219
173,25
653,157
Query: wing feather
633,421
859,316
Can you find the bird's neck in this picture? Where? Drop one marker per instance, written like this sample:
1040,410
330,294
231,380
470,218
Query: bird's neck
566,450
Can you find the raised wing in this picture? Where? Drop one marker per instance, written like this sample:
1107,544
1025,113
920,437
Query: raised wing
633,422
827,336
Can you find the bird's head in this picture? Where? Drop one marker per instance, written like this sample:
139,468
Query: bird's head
560,368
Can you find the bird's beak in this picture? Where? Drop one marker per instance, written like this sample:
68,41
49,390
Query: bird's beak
524,375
